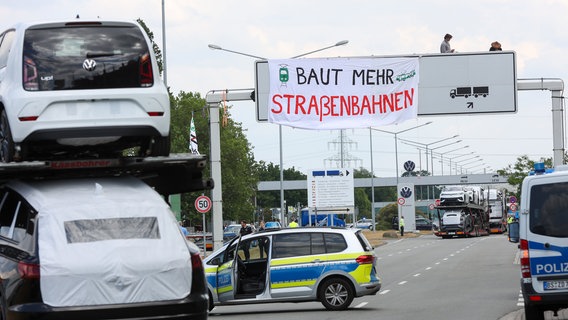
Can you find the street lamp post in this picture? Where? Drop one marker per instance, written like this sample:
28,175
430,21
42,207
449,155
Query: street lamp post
426,145
448,152
396,161
432,153
463,166
458,156
475,166
282,201
337,44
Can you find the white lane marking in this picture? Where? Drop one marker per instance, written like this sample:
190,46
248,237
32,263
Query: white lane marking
428,268
445,259
438,262
451,255
360,305
416,275
402,282
520,301
384,292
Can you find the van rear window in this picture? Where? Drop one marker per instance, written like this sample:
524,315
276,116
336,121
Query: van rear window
85,57
93,230
549,210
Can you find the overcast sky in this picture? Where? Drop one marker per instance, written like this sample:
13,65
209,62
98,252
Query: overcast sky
535,30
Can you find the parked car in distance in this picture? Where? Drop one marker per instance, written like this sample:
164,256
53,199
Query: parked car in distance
364,224
423,224
272,225
281,268
106,247
231,231
420,223
80,87
234,230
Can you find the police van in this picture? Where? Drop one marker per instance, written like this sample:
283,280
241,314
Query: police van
544,241
330,265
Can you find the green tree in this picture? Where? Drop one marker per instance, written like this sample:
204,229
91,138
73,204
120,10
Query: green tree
271,199
386,214
518,171
155,47
237,161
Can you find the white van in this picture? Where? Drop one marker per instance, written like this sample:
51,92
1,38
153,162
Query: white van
544,241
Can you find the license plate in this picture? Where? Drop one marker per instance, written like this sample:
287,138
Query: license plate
555,285
451,233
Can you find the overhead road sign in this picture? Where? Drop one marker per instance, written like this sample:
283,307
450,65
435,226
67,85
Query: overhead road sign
450,84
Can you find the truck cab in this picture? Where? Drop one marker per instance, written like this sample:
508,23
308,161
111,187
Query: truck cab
543,233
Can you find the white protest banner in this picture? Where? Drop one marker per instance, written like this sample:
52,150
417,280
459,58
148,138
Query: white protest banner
342,93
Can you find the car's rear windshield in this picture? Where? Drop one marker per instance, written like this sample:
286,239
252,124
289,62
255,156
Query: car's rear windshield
549,209
86,57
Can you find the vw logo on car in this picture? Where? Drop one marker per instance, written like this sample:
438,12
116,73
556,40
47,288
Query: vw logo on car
89,64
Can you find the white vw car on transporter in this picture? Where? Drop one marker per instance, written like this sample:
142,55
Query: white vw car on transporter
80,87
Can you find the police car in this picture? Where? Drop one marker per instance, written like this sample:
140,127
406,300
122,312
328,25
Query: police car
544,241
330,265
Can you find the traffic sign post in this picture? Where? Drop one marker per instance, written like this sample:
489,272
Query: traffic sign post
459,83
203,205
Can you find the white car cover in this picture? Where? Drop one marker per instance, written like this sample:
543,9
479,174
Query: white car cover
107,241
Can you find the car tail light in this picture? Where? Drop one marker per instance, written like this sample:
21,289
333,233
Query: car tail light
196,262
28,270
198,284
525,261
31,82
365,259
146,76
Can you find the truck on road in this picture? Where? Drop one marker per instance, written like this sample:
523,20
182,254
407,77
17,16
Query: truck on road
497,211
462,220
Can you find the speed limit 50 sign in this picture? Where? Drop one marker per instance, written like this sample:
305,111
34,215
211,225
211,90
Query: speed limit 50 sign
203,204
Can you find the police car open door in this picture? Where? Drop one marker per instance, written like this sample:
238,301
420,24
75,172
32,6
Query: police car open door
227,272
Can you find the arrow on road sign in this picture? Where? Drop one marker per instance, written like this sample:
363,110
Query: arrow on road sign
470,105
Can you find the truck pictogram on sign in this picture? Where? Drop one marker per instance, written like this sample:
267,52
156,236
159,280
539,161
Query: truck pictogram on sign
469,91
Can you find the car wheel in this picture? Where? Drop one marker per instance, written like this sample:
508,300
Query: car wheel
160,147
6,142
533,313
336,294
